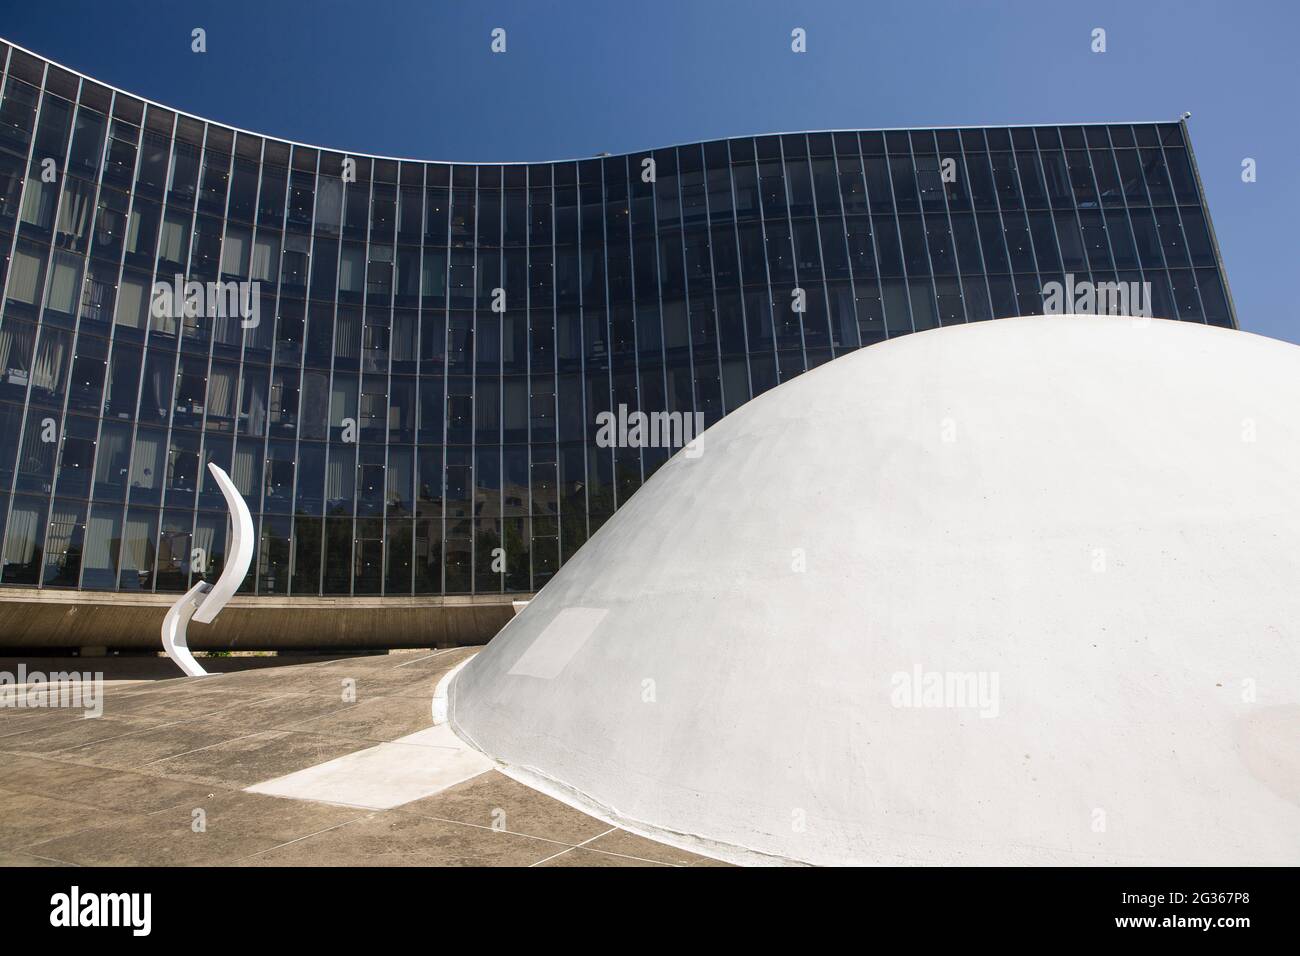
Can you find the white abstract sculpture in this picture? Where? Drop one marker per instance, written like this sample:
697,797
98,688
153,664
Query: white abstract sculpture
204,601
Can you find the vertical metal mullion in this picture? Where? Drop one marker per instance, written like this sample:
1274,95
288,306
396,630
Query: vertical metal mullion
898,231
528,357
1209,224
555,351
1033,243
528,375
27,166
180,332
686,293
501,375
555,376
794,255
1051,211
659,291
85,277
744,312
636,357
302,364
4,291
72,349
979,242
473,377
767,263
1024,210
875,246
713,280
212,345
388,372
975,224
237,438
844,231
1101,211
583,411
1164,265
446,385
419,369
820,252
952,237
121,262
1074,211
609,322
265,438
1002,228
243,359
329,378
361,377
1182,231
925,233
1128,218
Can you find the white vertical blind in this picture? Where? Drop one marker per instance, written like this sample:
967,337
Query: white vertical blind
24,534
65,283
147,460
132,295
25,276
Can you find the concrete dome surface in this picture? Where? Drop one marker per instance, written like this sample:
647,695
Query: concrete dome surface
1016,592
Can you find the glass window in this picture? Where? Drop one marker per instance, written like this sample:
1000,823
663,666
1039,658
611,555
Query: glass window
112,461
307,555
273,556
17,115
174,541
76,457
24,541
36,453
26,278
103,540
139,549
148,461
50,368
217,450
87,142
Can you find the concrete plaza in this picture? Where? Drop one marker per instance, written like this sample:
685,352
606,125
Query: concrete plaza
160,778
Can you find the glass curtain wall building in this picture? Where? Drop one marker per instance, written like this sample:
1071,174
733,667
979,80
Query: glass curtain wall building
399,427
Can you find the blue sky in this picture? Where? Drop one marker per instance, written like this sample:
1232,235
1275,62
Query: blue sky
417,78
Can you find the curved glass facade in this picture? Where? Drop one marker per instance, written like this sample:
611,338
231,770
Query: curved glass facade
415,410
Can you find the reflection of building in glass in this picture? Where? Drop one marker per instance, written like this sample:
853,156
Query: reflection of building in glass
388,426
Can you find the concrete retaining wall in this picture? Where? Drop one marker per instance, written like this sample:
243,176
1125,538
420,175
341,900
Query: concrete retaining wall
32,618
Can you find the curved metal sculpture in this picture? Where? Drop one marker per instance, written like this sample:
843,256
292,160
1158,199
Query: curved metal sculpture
204,601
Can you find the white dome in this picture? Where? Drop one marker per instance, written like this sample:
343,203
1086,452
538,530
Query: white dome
1022,591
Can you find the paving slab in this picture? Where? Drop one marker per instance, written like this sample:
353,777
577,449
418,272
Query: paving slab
248,759
494,800
216,830
105,789
387,775
399,839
